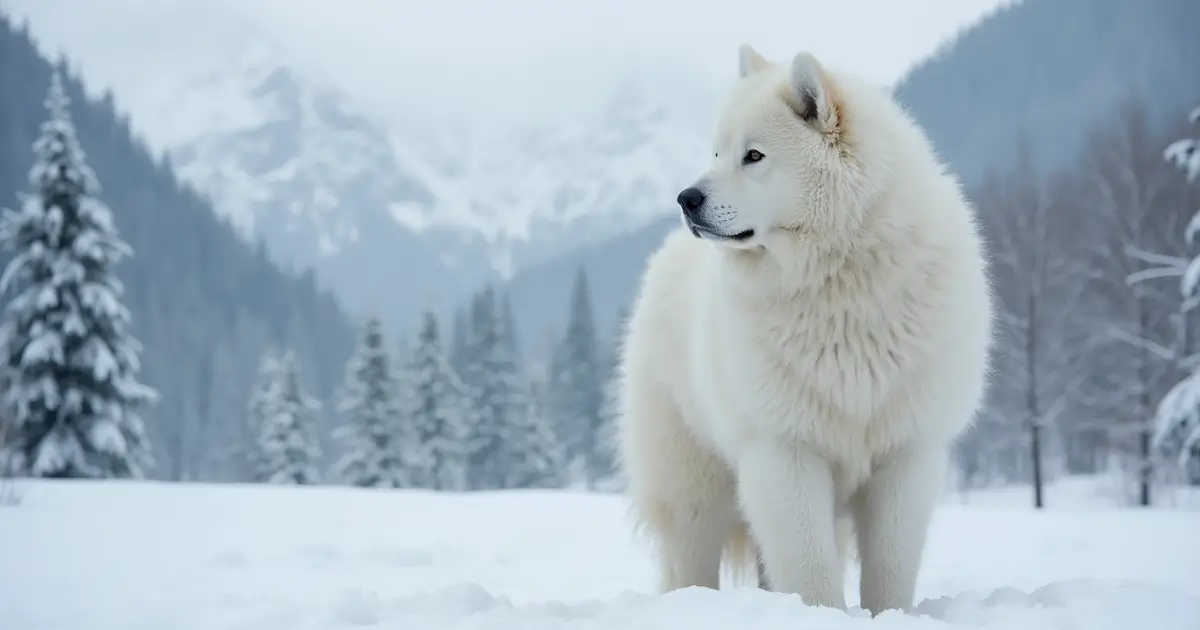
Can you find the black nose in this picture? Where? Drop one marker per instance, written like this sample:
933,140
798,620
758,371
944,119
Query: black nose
690,199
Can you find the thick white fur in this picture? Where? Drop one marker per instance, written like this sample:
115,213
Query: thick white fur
813,375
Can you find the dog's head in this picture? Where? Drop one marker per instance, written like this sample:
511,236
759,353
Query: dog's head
782,159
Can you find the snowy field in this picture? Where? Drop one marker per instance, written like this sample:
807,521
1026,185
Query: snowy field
146,556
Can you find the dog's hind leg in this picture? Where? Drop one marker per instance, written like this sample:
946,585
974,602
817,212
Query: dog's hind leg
684,494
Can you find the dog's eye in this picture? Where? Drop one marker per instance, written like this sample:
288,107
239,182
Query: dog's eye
752,156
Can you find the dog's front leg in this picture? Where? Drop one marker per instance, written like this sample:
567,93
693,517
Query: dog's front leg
787,496
891,514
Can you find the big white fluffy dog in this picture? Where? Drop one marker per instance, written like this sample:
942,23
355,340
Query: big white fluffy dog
801,356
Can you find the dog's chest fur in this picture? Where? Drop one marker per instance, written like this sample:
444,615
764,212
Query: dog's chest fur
834,366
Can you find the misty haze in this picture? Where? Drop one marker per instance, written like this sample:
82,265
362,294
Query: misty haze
314,314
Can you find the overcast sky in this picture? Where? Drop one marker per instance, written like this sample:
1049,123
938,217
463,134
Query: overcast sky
428,53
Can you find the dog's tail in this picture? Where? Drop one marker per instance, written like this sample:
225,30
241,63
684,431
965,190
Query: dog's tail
741,553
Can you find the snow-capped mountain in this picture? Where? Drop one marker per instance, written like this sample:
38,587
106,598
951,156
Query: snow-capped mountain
437,207
527,189
280,155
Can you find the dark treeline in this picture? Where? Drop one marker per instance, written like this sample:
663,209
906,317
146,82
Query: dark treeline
448,409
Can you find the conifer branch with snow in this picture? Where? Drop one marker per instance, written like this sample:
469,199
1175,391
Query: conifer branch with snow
1185,152
1177,417
69,363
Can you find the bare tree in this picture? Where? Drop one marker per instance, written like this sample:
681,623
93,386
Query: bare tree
1092,331
1123,184
1041,279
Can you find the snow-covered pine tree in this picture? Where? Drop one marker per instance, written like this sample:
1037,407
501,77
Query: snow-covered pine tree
288,443
605,465
1177,418
530,454
230,447
434,405
460,342
606,471
67,356
403,352
259,408
577,382
508,324
497,397
373,435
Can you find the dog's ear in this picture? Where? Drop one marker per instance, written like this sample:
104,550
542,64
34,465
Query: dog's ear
810,94
750,62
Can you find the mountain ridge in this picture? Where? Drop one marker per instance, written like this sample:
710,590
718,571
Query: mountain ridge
366,203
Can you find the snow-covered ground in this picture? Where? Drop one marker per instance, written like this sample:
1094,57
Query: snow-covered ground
148,556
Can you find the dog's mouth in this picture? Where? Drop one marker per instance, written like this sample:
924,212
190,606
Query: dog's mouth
700,230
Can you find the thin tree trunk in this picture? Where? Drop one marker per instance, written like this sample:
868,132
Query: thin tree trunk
1144,494
1035,449
1145,411
1031,394
589,455
180,466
